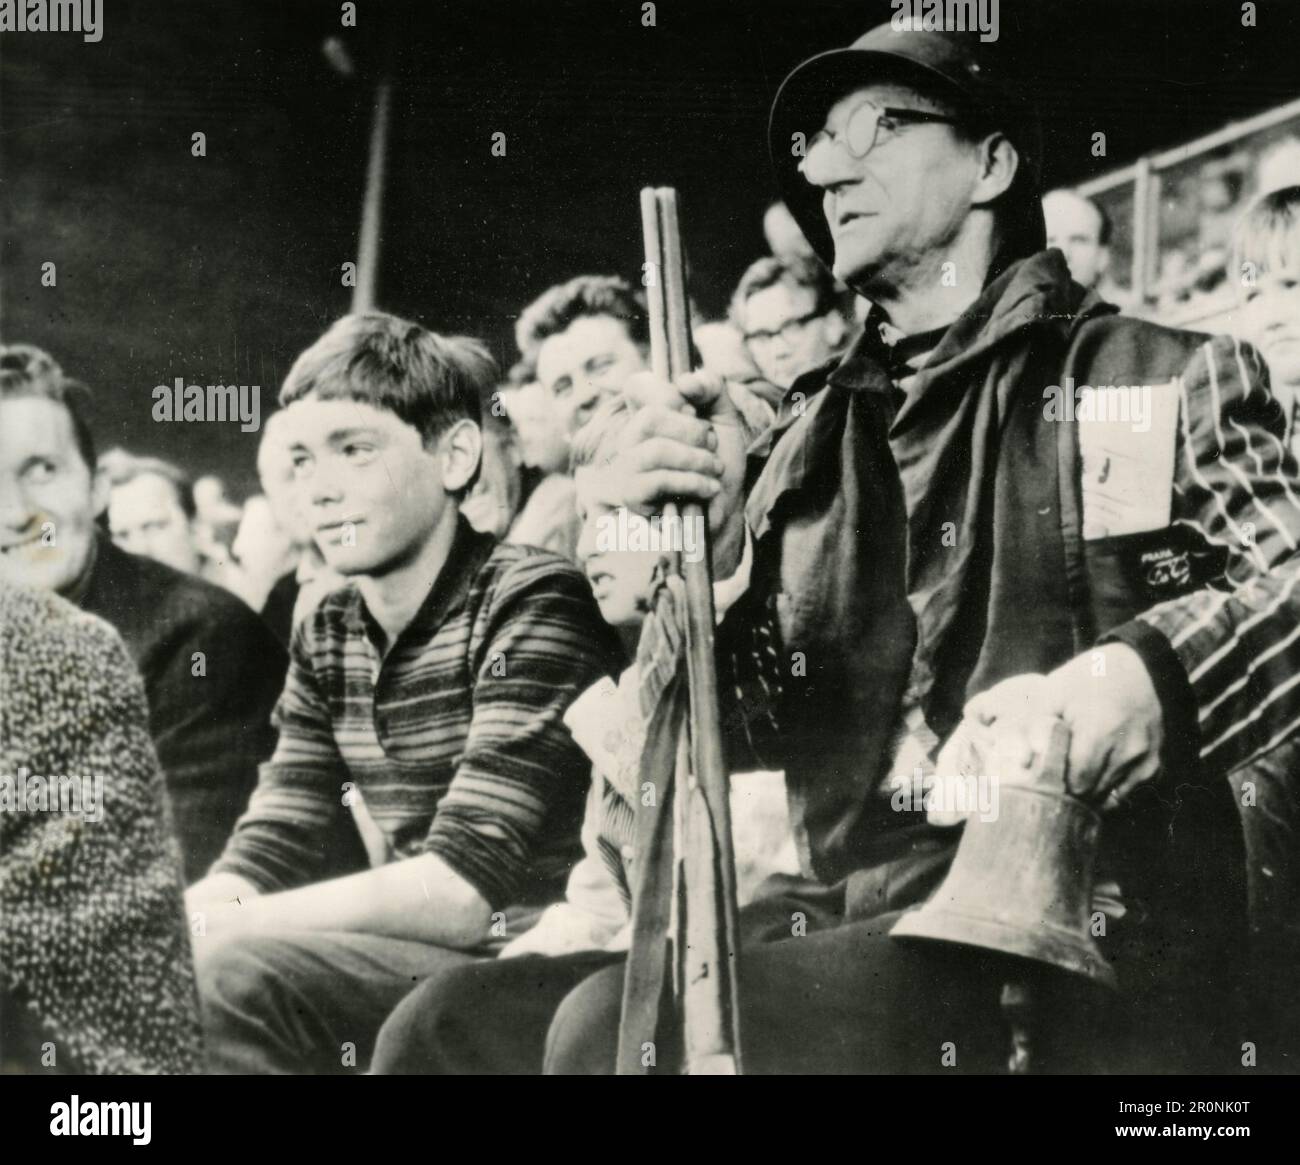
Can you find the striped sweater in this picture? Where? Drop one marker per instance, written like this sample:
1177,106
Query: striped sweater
454,739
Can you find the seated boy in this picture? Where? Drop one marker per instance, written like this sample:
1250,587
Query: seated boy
493,1017
433,686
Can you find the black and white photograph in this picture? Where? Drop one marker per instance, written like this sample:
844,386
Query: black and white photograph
591,537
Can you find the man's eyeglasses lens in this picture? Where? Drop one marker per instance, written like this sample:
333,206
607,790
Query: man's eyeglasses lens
788,331
859,132
863,124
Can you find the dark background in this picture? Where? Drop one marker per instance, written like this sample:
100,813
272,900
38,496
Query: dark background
220,269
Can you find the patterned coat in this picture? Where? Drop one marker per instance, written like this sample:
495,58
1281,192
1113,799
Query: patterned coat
93,942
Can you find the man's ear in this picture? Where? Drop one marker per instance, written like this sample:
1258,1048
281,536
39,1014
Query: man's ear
460,449
1103,261
999,162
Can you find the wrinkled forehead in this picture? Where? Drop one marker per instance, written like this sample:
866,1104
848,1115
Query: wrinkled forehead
313,421
145,494
586,338
36,424
784,299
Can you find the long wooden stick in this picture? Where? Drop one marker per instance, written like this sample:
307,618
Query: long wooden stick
707,959
363,295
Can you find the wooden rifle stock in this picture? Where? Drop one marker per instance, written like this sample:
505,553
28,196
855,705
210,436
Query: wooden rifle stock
706,955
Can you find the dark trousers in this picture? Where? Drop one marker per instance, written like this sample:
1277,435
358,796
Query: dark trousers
847,999
488,1018
308,1002
853,1000
1267,792
492,1017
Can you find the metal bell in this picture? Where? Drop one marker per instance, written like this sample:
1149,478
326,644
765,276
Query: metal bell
1021,883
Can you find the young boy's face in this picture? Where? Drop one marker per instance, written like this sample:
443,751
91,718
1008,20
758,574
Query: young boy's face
1271,321
620,579
372,492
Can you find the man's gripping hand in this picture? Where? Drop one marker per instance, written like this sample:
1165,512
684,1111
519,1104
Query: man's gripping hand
685,443
1107,701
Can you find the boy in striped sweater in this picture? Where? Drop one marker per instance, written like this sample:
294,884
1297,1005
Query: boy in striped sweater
493,1017
433,685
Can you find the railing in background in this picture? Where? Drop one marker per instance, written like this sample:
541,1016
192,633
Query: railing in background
1172,215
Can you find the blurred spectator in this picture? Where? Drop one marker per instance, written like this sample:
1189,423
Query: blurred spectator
1080,230
151,509
722,350
263,550
94,949
789,314
548,518
586,338
492,504
211,670
217,523
784,238
1279,166
1222,186
1198,212
306,579
543,444
1266,262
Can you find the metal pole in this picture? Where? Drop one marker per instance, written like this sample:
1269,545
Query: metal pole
363,295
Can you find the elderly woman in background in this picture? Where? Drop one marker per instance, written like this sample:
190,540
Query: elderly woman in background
95,970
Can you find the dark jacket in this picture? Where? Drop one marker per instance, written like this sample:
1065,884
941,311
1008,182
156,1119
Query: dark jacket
925,549
212,673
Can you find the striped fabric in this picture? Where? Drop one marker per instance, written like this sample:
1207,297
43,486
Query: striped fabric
1235,484
454,739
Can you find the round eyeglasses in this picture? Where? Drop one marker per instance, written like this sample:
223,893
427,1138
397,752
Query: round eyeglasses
787,332
862,125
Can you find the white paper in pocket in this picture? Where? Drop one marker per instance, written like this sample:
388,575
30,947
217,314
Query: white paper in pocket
1127,437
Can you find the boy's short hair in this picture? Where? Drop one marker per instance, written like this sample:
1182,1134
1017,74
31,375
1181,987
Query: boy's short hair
26,370
428,381
769,271
606,423
121,468
1267,236
587,295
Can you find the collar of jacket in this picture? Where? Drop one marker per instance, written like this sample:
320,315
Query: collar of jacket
1033,292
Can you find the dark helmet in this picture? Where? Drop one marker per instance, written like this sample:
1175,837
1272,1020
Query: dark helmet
955,65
